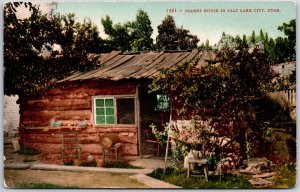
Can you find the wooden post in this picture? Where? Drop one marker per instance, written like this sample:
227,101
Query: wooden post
169,126
138,116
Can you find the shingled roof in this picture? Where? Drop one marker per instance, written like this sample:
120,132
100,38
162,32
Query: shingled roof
116,65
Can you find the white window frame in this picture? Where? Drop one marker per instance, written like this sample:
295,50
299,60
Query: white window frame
114,97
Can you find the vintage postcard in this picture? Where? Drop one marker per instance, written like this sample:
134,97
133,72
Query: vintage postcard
149,94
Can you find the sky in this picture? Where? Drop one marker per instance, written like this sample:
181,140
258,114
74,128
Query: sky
206,25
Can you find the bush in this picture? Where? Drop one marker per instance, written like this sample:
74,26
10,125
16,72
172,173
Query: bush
24,150
179,178
89,164
286,176
121,165
291,144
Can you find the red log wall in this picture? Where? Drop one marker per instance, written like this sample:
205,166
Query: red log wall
71,103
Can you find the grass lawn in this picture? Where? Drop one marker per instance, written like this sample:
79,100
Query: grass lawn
179,178
286,176
43,186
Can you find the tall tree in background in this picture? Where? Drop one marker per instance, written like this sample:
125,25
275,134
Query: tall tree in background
131,36
289,30
172,38
41,49
253,38
118,34
142,32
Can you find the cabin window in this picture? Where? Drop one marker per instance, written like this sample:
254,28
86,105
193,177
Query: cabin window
114,110
162,102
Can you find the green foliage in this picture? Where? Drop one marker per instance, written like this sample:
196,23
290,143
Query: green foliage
89,164
279,49
205,46
161,136
121,165
229,91
43,48
43,186
24,150
131,36
142,32
179,178
172,38
70,163
289,30
286,176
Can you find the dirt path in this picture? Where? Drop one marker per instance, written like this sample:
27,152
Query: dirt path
81,180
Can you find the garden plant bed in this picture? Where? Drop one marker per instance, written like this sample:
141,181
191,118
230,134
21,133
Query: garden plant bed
123,165
179,178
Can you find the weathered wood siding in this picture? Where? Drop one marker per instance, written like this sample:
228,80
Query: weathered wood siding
71,103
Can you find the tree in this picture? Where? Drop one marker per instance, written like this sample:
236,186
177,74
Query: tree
289,30
142,32
226,41
118,34
253,38
231,91
205,46
131,36
172,38
40,49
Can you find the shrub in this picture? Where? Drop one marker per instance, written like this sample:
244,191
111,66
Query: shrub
179,178
286,176
24,150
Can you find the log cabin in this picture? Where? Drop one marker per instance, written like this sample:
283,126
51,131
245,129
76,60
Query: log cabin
113,98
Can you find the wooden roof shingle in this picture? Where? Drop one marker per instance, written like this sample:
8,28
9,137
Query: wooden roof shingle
116,65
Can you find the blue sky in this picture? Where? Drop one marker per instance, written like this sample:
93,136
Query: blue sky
205,25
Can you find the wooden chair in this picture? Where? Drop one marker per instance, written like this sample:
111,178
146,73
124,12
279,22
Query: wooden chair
70,145
150,142
114,152
111,148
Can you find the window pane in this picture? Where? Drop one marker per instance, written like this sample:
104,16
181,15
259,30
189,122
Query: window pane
162,102
109,111
110,120
99,102
125,111
109,102
100,119
99,111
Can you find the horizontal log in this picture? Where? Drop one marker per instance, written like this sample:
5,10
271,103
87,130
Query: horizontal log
57,105
91,148
52,137
59,115
50,149
116,129
87,92
34,123
52,130
130,149
128,139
